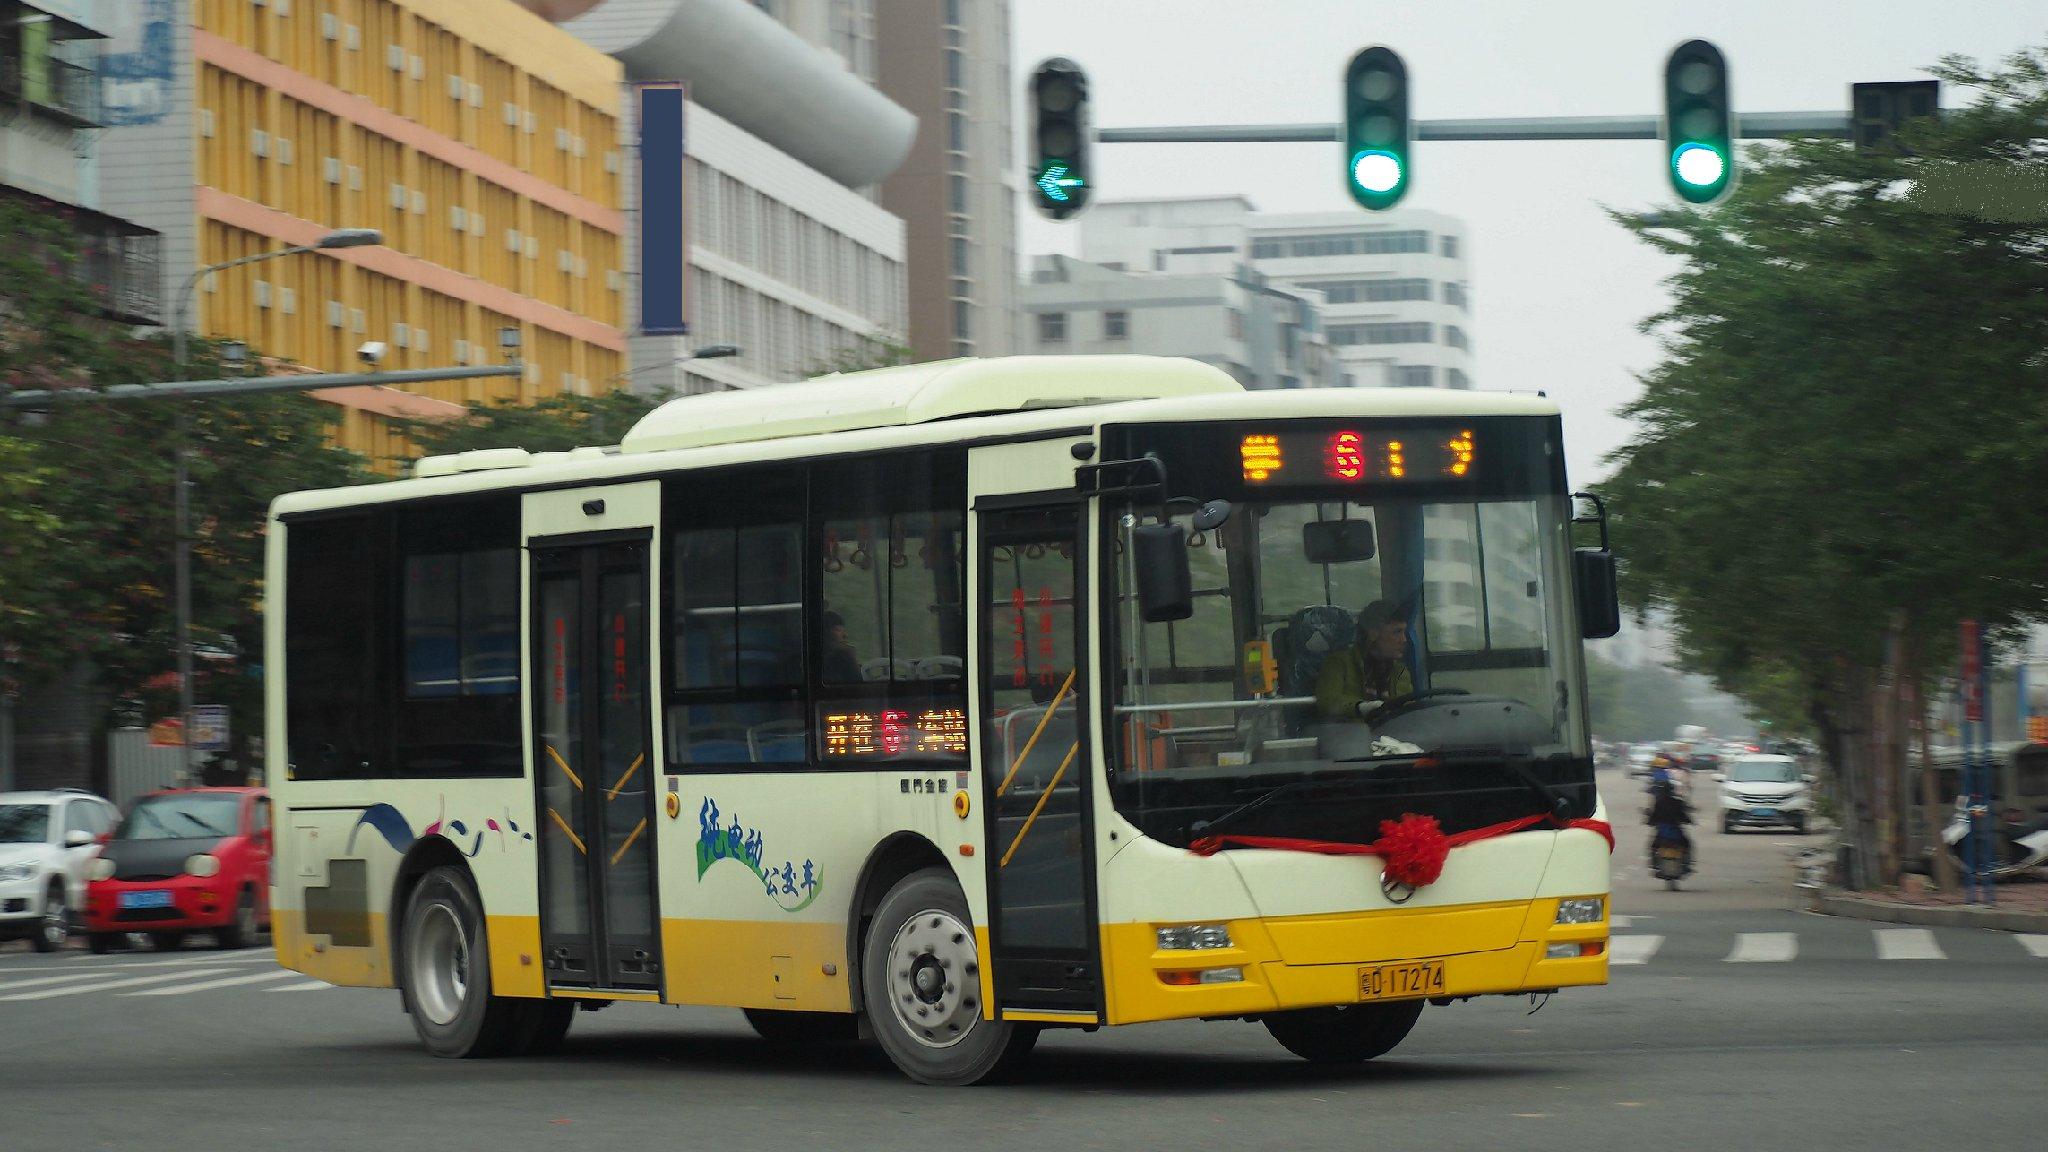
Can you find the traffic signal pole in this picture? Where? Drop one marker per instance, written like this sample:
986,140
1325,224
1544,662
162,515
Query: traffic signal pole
1749,126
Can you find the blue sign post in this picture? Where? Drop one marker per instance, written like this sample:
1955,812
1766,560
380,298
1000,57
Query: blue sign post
664,239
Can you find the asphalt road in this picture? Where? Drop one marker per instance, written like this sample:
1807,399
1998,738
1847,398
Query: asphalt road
1732,1022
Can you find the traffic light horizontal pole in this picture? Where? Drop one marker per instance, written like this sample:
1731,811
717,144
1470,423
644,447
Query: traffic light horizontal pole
237,386
1750,126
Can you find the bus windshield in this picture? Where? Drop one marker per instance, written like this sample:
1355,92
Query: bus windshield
1351,660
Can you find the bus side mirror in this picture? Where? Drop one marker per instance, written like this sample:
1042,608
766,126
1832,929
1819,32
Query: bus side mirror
1599,600
1165,585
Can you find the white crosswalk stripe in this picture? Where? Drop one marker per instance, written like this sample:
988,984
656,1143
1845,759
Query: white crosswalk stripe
1764,948
206,985
1907,944
14,985
1632,949
2035,944
110,985
308,986
1614,922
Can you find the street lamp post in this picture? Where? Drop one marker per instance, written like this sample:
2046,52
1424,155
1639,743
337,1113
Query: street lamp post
182,578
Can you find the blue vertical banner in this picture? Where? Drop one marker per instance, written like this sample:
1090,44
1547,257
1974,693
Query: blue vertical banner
664,241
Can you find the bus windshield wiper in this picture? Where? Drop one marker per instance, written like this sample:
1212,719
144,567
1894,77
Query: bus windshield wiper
1516,765
1237,814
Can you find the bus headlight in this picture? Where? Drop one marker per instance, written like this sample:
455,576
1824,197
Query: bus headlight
1580,910
1194,937
202,864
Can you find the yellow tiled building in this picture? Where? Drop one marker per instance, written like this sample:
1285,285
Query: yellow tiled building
479,139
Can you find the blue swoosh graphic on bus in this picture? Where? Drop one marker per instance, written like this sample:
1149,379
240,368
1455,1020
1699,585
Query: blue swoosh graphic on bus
479,845
389,823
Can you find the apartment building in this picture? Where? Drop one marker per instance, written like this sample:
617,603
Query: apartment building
479,139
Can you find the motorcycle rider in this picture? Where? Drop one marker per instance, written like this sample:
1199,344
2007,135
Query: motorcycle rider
1667,817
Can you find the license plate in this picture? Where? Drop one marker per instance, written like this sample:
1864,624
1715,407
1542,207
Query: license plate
1764,813
152,899
1401,981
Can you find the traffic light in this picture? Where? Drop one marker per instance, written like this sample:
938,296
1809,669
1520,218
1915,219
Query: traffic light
1059,138
1878,111
1699,123
1376,128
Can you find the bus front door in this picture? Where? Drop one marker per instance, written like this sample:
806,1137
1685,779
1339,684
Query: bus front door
591,764
1035,760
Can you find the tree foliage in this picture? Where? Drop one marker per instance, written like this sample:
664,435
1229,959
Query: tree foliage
1849,425
93,482
553,424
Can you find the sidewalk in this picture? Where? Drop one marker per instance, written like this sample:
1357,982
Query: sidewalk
2022,906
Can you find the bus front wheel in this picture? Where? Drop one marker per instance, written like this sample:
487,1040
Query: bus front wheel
1346,1034
921,983
447,973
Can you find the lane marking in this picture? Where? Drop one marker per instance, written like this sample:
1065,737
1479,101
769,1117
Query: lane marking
1764,948
1907,944
12,985
224,982
102,964
1614,922
1632,949
2035,943
309,986
108,985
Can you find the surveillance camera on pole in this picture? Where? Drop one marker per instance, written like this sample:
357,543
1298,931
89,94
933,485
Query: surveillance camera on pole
1060,128
372,352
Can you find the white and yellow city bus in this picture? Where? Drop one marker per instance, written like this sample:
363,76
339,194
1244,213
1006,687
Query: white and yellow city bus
944,704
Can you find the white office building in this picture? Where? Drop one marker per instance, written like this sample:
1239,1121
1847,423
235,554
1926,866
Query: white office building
1264,335
1395,285
791,259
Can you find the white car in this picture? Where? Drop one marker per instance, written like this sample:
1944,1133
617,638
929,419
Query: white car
1764,792
1639,758
47,841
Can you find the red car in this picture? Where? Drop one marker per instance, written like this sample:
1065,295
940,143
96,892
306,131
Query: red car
184,860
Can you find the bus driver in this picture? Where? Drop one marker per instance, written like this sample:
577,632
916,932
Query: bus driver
1356,682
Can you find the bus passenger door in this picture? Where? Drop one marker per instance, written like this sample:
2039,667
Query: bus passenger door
1035,758
592,746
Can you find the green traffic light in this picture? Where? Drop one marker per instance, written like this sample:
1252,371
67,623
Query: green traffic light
1698,165
1376,128
1699,123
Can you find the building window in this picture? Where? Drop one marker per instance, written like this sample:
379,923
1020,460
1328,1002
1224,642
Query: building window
963,289
1454,293
1457,379
1450,247
1265,249
1342,244
954,68
963,320
1455,337
956,132
960,257
1410,332
1116,325
959,188
1236,324
1369,291
1414,376
1052,327
953,13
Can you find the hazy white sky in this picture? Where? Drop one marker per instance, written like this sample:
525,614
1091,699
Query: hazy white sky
1557,289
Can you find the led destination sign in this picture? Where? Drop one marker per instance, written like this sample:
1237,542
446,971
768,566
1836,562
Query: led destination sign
1361,456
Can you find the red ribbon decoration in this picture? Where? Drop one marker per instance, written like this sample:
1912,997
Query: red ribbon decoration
1414,847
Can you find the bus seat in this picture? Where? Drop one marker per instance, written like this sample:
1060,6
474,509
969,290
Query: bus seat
1308,637
940,668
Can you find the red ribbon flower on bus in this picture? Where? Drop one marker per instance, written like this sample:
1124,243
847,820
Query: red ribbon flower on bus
1412,849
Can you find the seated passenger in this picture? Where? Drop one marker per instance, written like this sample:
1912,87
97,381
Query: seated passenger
1357,681
840,663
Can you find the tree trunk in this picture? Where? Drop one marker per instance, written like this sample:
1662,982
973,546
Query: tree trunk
1941,868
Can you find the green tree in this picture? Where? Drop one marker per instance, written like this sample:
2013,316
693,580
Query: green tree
554,424
1845,437
869,352
94,480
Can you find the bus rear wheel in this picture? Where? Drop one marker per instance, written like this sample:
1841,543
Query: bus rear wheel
446,974
1345,1034
921,983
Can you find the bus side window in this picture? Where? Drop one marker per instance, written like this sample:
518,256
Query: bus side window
329,652
735,607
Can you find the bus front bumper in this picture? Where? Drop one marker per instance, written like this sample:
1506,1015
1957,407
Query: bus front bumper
1326,959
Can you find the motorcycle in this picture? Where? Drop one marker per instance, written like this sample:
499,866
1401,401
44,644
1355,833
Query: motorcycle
2016,846
1670,857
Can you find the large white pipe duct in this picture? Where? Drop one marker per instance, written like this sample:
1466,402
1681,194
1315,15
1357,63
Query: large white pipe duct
743,65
